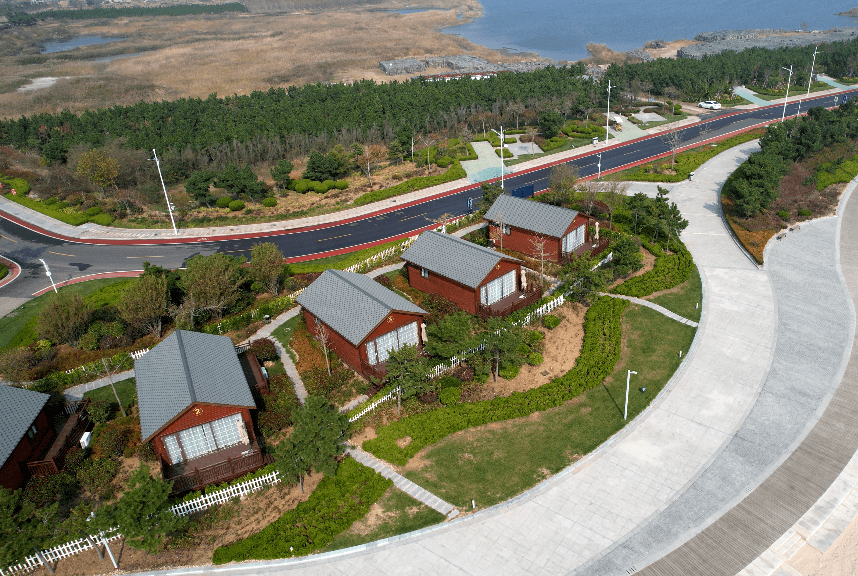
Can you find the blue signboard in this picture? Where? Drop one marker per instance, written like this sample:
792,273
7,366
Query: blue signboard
523,192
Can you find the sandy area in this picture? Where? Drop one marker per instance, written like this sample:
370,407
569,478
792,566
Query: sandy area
841,559
562,347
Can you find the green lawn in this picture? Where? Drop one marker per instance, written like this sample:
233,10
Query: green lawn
20,329
340,261
126,389
400,513
283,333
687,301
668,118
491,464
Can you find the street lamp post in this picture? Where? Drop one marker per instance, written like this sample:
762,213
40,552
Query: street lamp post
608,116
628,379
809,80
599,166
169,206
501,152
783,116
48,272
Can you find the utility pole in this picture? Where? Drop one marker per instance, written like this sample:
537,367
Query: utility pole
169,206
809,80
608,115
501,151
783,116
628,379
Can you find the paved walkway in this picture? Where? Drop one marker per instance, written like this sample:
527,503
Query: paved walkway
656,307
404,484
77,392
750,96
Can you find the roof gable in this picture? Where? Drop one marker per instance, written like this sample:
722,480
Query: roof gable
352,304
453,258
531,215
18,411
187,367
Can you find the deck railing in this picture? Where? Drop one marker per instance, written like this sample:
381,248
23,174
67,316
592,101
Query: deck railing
229,469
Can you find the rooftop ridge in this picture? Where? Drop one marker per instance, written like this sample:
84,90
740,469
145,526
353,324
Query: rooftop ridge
191,391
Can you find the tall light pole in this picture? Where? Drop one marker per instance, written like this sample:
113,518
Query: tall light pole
48,272
628,379
783,116
599,166
608,116
169,206
501,151
809,80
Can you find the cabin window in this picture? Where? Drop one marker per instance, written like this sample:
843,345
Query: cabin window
424,273
206,438
378,350
497,289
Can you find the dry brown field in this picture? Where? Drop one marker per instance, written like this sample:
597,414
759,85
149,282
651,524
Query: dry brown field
194,56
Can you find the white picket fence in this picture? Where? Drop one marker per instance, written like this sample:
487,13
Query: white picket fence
181,509
392,251
139,353
56,553
97,366
221,496
373,405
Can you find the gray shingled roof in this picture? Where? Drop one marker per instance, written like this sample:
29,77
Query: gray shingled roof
531,215
18,411
187,367
453,258
352,304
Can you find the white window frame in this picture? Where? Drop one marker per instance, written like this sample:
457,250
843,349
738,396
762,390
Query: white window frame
205,438
498,289
378,349
574,239
424,273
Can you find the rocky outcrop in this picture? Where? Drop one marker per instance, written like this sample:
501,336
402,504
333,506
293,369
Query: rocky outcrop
739,40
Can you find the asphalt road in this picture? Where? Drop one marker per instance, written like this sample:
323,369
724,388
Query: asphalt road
71,260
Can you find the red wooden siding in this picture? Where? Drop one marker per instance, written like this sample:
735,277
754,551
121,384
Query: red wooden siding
466,298
521,240
355,356
13,474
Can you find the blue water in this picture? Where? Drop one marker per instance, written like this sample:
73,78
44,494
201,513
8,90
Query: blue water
411,10
78,42
561,29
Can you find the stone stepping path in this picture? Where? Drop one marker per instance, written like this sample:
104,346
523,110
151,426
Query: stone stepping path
405,484
656,307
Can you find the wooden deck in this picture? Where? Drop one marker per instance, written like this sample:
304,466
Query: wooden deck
509,304
215,467
68,439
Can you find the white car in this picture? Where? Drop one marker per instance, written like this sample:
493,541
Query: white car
710,104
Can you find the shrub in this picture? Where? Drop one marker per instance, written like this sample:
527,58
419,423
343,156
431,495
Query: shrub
341,184
223,202
506,153
235,206
509,372
534,336
269,202
535,359
332,507
96,476
805,213
302,186
110,440
523,349
42,490
550,321
319,187
146,453
88,341
101,219
448,382
328,184
444,162
275,411
264,349
450,396
51,200
384,281
90,212
453,173
100,411
783,214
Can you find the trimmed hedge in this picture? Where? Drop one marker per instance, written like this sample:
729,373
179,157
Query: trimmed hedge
269,202
455,172
333,506
74,219
20,185
235,206
223,202
599,354
668,271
